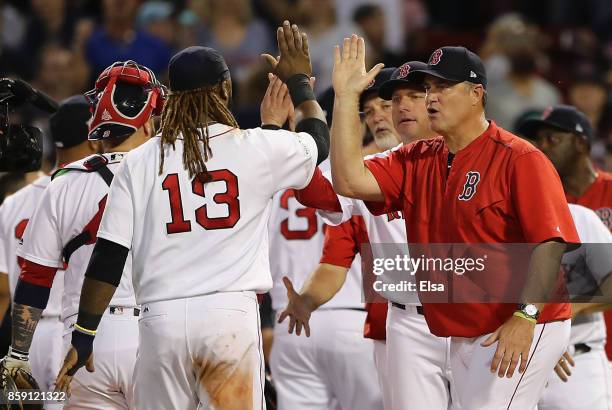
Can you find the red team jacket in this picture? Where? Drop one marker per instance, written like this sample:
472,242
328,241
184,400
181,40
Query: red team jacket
598,197
500,189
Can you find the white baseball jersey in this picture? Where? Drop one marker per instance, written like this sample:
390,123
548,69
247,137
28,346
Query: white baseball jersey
296,244
384,229
15,214
69,203
190,238
586,268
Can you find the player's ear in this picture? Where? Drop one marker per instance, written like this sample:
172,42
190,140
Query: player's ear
226,91
477,94
149,128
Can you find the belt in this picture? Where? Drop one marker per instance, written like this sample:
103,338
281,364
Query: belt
419,309
120,310
344,308
580,348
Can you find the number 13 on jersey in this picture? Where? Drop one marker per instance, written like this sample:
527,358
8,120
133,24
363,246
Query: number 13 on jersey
229,198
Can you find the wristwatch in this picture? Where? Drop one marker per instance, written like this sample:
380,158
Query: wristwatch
529,310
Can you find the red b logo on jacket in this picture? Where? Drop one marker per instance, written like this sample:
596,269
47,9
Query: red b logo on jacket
469,188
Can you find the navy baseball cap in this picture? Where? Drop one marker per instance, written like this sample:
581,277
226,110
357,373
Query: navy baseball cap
456,64
562,117
401,76
373,89
69,124
196,67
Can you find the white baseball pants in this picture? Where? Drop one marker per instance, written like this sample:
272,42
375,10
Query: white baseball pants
417,361
47,354
110,385
46,351
331,369
479,389
588,388
201,353
380,360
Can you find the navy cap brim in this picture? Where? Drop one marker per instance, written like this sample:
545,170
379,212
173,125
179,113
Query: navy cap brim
386,89
419,75
111,130
529,128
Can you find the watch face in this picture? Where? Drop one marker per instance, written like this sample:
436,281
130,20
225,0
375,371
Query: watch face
531,310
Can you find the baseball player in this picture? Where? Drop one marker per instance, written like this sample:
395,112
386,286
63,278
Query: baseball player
68,127
408,380
192,205
590,384
458,188
565,134
324,374
63,230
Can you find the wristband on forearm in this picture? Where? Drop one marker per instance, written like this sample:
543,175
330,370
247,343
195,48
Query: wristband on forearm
270,127
18,354
300,89
520,314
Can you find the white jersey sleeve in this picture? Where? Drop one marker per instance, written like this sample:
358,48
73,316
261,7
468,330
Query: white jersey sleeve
292,156
599,253
117,223
349,208
586,268
596,242
4,241
44,224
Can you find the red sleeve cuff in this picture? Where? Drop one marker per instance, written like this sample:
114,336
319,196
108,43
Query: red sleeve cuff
36,274
380,208
341,245
319,194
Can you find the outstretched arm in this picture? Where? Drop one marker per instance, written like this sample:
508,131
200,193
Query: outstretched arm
341,246
320,287
349,174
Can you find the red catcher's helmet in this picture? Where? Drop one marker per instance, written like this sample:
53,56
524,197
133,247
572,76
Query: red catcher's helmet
125,97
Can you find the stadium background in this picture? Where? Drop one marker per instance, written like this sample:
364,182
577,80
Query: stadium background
536,53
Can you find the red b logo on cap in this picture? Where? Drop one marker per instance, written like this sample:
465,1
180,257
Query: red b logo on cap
403,71
435,57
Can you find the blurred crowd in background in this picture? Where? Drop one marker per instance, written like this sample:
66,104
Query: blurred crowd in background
537,53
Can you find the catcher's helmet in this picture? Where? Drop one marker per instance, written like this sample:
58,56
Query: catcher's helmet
125,97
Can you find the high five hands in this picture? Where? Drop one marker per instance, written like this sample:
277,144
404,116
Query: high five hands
350,77
294,56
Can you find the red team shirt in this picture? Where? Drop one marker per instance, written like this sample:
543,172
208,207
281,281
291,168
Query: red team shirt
598,197
500,189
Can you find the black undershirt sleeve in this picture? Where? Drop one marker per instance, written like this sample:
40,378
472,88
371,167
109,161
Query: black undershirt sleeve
320,133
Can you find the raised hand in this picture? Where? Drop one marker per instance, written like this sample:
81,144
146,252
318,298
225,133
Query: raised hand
294,56
298,310
350,77
276,106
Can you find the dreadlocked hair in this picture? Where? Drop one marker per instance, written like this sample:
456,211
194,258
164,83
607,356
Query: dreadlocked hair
187,113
